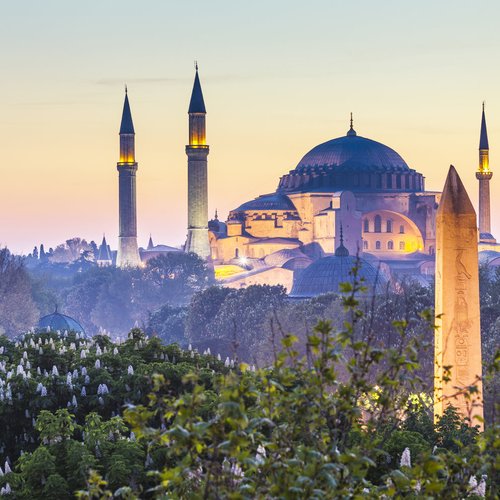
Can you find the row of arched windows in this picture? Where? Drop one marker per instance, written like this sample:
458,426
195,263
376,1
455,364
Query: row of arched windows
377,225
378,245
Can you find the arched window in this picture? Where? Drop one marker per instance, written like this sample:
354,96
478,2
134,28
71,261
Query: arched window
390,245
398,181
389,225
378,224
401,229
366,226
431,251
377,245
389,181
401,245
236,253
365,245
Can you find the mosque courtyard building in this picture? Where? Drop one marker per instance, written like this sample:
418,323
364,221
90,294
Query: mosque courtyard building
350,184
350,193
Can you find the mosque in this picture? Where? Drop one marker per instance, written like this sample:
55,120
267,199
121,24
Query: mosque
350,196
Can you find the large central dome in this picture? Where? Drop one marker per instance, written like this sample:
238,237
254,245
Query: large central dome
355,152
351,163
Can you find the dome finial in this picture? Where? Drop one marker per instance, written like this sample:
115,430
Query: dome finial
216,215
351,131
341,250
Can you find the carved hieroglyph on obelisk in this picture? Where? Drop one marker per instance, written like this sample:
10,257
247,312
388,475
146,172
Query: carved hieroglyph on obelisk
457,345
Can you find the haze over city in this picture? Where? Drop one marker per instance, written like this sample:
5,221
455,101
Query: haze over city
278,78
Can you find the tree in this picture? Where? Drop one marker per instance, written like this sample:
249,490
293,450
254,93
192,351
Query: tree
237,325
169,324
202,310
18,311
174,277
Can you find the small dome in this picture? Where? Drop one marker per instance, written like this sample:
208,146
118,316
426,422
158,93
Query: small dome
273,201
326,274
358,153
57,321
288,258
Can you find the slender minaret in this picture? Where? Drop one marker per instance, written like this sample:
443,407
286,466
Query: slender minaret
457,341
197,152
128,253
484,175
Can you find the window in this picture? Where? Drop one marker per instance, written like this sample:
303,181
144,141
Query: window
389,181
236,253
377,245
378,224
365,245
366,226
390,245
401,245
431,251
401,229
398,181
407,182
389,225
379,180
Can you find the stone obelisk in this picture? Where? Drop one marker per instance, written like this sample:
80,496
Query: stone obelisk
457,354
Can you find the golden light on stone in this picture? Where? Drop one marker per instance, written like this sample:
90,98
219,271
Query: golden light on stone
457,347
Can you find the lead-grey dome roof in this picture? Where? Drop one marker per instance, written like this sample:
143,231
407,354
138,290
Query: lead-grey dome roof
273,201
57,321
357,153
326,274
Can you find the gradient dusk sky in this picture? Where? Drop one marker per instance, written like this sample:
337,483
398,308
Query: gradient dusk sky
278,78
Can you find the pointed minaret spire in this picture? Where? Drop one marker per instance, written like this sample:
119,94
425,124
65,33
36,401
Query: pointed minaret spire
484,175
351,132
103,257
128,252
197,103
483,139
127,126
150,242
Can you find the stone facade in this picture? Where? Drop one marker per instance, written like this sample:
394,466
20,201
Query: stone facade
367,190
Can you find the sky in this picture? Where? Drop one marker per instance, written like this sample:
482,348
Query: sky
278,77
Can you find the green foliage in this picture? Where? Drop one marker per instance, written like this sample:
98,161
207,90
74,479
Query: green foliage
329,417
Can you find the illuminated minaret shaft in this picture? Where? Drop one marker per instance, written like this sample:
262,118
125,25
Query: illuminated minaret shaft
197,153
484,175
128,253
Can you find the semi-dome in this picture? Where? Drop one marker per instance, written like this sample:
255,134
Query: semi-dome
57,321
355,152
326,274
274,201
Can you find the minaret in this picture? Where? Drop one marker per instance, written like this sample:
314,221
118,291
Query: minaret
484,175
197,152
128,253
